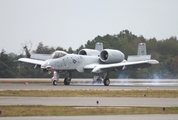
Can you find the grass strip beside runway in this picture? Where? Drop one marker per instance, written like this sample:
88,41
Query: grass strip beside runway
73,111
92,93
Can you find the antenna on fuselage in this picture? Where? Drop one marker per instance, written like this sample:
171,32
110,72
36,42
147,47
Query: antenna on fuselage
99,46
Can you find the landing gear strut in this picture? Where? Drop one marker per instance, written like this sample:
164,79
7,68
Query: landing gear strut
106,80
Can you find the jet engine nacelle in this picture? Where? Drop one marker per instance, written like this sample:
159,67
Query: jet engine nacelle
111,56
89,52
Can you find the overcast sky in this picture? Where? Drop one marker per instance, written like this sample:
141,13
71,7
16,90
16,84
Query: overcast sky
70,23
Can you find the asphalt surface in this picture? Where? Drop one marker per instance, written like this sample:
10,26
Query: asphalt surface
91,101
85,84
103,117
49,86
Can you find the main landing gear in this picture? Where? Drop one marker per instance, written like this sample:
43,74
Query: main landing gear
106,80
68,78
67,81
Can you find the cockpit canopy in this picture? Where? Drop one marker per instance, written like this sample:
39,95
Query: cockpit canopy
57,54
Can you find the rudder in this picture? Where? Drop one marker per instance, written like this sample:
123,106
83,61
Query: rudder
141,49
141,54
99,46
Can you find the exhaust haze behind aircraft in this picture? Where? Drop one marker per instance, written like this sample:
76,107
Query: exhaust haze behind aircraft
97,61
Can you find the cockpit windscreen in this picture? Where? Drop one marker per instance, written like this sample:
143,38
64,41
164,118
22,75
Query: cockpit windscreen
57,54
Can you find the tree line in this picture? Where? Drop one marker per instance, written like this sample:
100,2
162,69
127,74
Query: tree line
165,51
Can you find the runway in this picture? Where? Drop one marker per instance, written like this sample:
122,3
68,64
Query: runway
49,86
130,84
86,84
91,101
103,117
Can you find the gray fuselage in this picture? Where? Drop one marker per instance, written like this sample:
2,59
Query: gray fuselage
72,62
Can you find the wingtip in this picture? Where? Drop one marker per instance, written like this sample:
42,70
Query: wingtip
154,62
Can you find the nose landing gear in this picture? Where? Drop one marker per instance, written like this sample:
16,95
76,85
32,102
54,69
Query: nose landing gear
54,82
55,77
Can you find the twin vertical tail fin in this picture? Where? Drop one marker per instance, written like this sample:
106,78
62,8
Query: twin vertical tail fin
141,49
99,46
141,54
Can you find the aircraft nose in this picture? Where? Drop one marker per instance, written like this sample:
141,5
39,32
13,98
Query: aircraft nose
47,65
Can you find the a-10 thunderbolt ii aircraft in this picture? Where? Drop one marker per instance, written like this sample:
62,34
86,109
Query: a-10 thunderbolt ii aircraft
96,61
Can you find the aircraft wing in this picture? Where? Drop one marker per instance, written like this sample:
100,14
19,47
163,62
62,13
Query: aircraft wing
98,68
31,61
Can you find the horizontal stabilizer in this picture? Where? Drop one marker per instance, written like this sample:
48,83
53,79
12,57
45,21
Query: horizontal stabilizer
40,56
133,58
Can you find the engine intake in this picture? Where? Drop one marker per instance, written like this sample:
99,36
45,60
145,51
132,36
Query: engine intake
111,56
89,52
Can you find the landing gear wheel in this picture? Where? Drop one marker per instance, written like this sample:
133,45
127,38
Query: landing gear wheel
67,81
54,82
106,81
